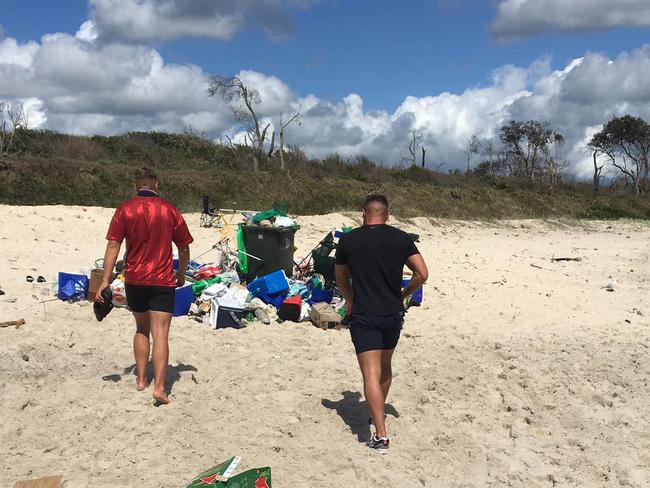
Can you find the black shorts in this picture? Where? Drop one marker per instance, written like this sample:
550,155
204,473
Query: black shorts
372,332
142,298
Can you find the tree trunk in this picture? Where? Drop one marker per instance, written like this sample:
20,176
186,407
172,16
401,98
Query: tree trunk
423,156
272,144
596,175
281,141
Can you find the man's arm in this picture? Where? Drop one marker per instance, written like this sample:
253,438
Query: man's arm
342,272
420,274
183,261
110,257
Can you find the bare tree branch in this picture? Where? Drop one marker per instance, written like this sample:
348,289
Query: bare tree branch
232,89
296,117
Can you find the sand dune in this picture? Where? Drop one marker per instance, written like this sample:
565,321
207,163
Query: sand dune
516,371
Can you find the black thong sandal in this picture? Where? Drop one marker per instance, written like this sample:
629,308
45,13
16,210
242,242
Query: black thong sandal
103,309
29,278
41,279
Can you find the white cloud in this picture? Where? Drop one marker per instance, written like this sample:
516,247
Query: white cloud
275,94
523,18
75,84
87,31
86,87
151,20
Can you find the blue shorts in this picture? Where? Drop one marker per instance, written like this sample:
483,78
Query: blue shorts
375,332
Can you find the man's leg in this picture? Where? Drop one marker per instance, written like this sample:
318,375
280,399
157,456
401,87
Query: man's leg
386,371
160,322
141,347
370,363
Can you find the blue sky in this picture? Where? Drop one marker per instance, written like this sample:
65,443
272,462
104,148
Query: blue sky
573,64
379,49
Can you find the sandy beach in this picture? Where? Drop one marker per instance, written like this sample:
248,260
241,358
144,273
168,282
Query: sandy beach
517,371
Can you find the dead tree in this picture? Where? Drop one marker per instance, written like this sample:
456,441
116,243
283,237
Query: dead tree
487,148
296,117
597,172
272,148
554,164
424,152
233,89
12,118
413,144
472,146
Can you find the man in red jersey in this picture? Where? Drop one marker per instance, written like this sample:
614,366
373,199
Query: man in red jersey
150,225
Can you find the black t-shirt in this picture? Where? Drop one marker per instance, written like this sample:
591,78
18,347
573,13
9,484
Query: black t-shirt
376,255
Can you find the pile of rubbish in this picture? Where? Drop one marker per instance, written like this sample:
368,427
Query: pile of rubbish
221,300
258,281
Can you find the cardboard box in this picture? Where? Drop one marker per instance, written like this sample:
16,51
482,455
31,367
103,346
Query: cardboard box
324,316
48,482
96,276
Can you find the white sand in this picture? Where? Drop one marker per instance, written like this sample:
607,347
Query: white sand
508,375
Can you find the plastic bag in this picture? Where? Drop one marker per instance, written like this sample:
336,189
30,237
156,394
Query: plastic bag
72,286
119,293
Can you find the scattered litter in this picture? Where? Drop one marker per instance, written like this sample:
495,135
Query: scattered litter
324,316
609,286
47,482
221,476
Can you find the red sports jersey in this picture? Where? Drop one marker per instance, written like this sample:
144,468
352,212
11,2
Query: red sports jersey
150,225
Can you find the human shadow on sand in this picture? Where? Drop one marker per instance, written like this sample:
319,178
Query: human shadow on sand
354,413
173,374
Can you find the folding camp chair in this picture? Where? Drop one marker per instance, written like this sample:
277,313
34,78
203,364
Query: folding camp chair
208,215
320,261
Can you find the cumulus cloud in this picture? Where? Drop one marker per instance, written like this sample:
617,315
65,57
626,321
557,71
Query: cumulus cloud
153,20
76,84
88,88
523,18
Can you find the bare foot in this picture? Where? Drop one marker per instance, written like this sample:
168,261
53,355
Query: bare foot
142,385
161,397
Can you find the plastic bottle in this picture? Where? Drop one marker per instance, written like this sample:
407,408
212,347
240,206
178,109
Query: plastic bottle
199,286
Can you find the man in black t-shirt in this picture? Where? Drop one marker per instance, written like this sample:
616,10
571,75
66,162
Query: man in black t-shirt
374,256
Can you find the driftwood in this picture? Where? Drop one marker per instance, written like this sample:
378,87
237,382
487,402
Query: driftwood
15,323
566,259
535,266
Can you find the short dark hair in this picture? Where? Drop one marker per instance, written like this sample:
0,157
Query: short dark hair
375,197
145,173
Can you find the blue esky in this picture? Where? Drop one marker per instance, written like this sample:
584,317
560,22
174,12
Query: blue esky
365,74
383,50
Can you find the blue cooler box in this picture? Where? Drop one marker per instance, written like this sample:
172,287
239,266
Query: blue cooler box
418,294
183,298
